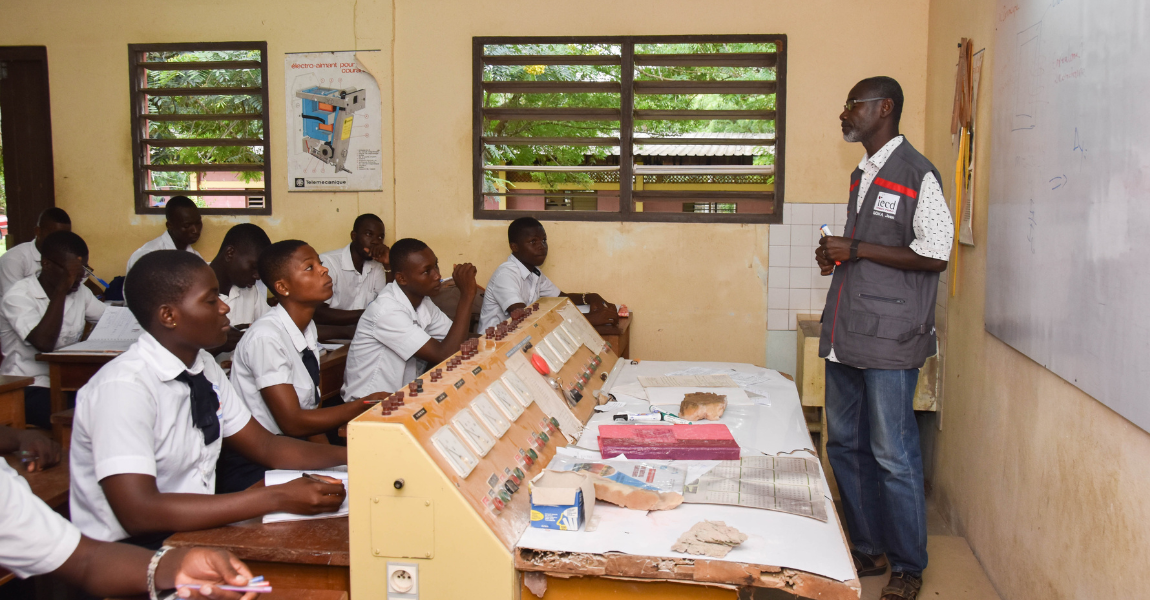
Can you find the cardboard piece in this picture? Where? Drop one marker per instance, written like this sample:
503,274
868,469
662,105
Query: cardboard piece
561,500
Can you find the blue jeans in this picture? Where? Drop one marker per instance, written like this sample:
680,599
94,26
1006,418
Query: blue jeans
872,443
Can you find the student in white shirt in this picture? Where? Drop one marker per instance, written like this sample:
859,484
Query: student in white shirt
35,540
24,260
275,368
358,272
236,266
149,425
518,282
402,326
182,229
45,312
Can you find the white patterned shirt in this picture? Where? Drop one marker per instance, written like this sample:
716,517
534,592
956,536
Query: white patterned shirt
933,227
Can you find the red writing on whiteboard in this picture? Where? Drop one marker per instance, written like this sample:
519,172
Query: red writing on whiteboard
1066,59
1075,74
1005,12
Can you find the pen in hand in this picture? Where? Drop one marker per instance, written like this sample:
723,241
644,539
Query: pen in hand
826,231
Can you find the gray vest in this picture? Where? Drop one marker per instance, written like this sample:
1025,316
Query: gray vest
879,317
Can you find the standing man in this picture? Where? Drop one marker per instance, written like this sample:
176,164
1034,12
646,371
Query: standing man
878,330
182,229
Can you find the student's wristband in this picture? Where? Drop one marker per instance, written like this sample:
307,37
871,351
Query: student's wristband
152,595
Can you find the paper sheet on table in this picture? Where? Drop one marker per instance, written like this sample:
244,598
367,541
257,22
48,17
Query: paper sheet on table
663,476
330,347
790,484
670,398
718,381
279,477
116,331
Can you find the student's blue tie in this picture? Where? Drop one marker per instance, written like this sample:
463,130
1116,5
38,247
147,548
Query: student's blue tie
205,403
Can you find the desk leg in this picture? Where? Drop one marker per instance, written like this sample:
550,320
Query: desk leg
55,388
12,409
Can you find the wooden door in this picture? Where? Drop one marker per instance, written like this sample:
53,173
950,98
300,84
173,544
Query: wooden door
26,127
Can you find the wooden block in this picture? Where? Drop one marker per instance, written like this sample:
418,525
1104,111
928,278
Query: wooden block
810,371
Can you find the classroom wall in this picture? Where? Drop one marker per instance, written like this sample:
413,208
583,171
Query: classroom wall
1049,486
698,291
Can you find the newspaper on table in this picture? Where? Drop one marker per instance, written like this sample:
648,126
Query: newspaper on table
715,380
780,483
753,383
647,475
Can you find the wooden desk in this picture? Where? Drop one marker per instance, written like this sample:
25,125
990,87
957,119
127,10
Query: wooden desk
69,372
49,485
299,555
619,336
12,400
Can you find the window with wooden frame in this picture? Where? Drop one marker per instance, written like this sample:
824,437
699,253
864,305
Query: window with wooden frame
200,126
663,128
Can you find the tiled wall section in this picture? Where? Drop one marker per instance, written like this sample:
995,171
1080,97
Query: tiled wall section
794,284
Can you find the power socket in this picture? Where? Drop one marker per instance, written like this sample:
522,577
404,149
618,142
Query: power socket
402,581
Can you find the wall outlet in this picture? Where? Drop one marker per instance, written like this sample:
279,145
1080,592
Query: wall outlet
402,581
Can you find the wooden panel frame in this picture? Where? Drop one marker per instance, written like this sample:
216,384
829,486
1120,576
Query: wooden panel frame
140,141
627,115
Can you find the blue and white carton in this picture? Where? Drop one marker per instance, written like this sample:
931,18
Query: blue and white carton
562,500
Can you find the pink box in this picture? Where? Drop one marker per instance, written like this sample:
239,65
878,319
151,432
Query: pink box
712,441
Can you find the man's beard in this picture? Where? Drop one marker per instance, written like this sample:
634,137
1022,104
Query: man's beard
853,136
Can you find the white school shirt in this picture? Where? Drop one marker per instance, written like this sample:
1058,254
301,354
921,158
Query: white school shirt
164,242
382,353
512,283
18,263
134,417
248,304
350,289
20,312
33,539
933,227
270,354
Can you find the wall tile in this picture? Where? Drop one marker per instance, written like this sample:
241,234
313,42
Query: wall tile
818,299
800,214
822,213
778,298
803,235
777,320
800,256
780,235
792,318
779,277
800,278
779,256
799,299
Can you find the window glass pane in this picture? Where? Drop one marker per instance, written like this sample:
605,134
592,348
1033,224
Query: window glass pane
204,78
238,129
207,180
211,105
563,100
200,55
238,202
705,48
192,155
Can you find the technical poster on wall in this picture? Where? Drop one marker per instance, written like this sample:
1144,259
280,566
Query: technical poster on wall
333,123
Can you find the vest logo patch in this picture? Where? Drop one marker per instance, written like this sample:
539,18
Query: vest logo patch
886,205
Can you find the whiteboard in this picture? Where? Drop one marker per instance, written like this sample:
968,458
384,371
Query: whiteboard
1067,280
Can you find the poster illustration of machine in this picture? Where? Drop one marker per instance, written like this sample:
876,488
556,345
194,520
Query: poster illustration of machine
333,123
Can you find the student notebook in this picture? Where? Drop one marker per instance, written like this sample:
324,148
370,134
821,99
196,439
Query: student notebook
279,477
115,332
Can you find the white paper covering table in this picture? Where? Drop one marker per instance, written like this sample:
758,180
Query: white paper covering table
780,542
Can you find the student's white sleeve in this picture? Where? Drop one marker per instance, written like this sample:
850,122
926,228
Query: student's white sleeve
33,539
504,288
267,360
547,288
10,272
235,413
933,227
22,312
93,308
123,418
440,323
395,329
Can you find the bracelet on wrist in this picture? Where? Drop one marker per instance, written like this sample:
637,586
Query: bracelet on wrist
152,595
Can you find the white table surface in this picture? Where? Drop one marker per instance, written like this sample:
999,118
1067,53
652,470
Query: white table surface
769,425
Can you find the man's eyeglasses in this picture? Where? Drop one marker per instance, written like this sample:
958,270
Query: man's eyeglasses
850,105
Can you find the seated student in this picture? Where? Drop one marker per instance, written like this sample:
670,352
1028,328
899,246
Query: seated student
402,326
358,272
518,282
35,540
183,229
275,367
24,259
235,266
149,425
44,312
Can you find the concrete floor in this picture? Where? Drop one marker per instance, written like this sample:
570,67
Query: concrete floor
953,572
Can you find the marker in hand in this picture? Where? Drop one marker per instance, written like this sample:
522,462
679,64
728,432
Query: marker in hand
826,231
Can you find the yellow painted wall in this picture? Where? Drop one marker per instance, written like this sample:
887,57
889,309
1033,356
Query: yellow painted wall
698,291
88,76
1050,487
